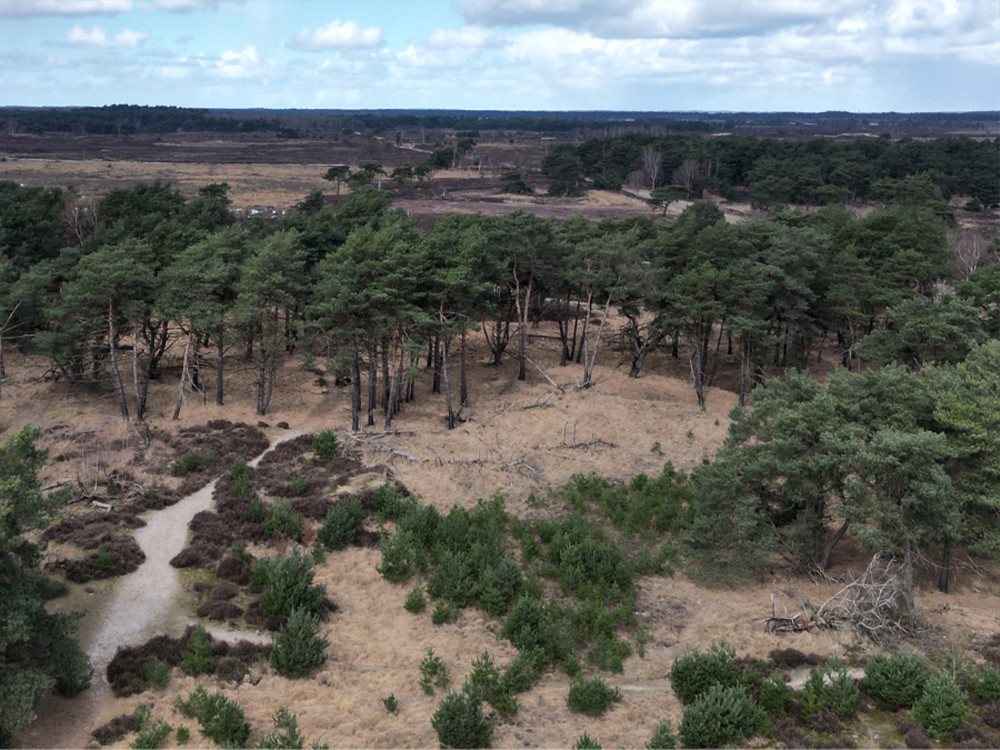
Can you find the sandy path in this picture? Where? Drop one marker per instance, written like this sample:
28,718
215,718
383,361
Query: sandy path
137,607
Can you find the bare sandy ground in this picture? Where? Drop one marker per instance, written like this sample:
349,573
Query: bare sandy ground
517,438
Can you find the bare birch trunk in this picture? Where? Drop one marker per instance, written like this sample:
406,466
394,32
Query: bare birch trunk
184,374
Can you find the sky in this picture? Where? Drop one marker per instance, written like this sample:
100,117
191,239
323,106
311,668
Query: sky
643,55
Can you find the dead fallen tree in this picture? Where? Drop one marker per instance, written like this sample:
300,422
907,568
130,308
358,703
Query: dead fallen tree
877,606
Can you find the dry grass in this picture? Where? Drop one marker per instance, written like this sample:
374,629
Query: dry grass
517,438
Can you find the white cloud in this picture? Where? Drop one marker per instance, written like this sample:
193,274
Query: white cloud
185,6
246,63
24,8
98,37
469,36
335,34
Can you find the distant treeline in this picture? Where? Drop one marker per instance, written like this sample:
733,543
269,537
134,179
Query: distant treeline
777,171
130,119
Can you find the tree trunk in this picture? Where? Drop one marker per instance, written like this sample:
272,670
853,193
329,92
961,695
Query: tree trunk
823,561
447,385
112,336
386,383
180,385
463,393
372,380
355,392
945,568
522,314
436,384
219,366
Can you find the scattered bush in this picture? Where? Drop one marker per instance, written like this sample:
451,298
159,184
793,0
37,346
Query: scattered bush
522,674
389,502
986,684
341,524
189,462
720,716
586,742
298,648
444,612
897,680
399,556
284,521
459,720
433,672
243,489
592,697
776,696
197,658
183,735
415,600
115,729
298,484
239,468
286,734
221,719
152,733
390,703
287,584
157,673
829,688
326,446
663,737
693,673
941,708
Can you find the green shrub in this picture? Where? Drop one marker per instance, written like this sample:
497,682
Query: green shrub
444,612
459,720
183,735
721,716
415,600
221,720
255,509
103,558
693,673
663,737
288,584
488,680
499,586
399,556
298,484
298,648
986,685
433,672
197,658
189,462
342,523
941,708
157,673
239,468
284,521
151,735
776,696
326,445
389,502
522,674
243,488
586,742
286,734
829,688
533,624
896,680
592,697
390,703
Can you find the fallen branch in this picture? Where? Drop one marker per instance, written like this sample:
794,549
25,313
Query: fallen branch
554,383
589,444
